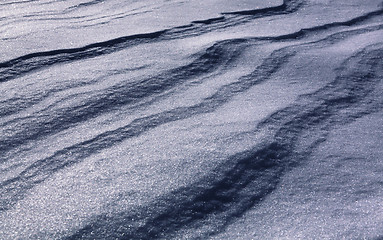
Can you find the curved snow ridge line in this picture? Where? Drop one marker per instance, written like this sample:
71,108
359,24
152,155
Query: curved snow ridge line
16,67
49,122
224,21
11,20
59,15
355,82
306,31
210,20
42,169
192,206
139,126
249,177
288,6
24,64
86,4
18,104
16,2
273,63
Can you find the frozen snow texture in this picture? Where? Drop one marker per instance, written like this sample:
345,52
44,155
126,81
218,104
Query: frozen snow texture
191,120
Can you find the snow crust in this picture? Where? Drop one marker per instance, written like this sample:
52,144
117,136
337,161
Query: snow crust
191,120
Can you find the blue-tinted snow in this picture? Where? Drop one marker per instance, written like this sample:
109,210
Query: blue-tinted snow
191,119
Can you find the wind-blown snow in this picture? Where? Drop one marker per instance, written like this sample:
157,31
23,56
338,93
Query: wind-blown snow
191,120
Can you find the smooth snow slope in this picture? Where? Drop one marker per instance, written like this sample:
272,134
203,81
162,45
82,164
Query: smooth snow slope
191,119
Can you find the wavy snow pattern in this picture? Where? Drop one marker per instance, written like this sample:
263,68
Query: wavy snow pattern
189,118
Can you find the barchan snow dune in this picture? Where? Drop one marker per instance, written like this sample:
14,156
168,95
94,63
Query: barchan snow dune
170,119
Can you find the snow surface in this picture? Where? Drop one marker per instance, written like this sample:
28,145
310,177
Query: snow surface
191,119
